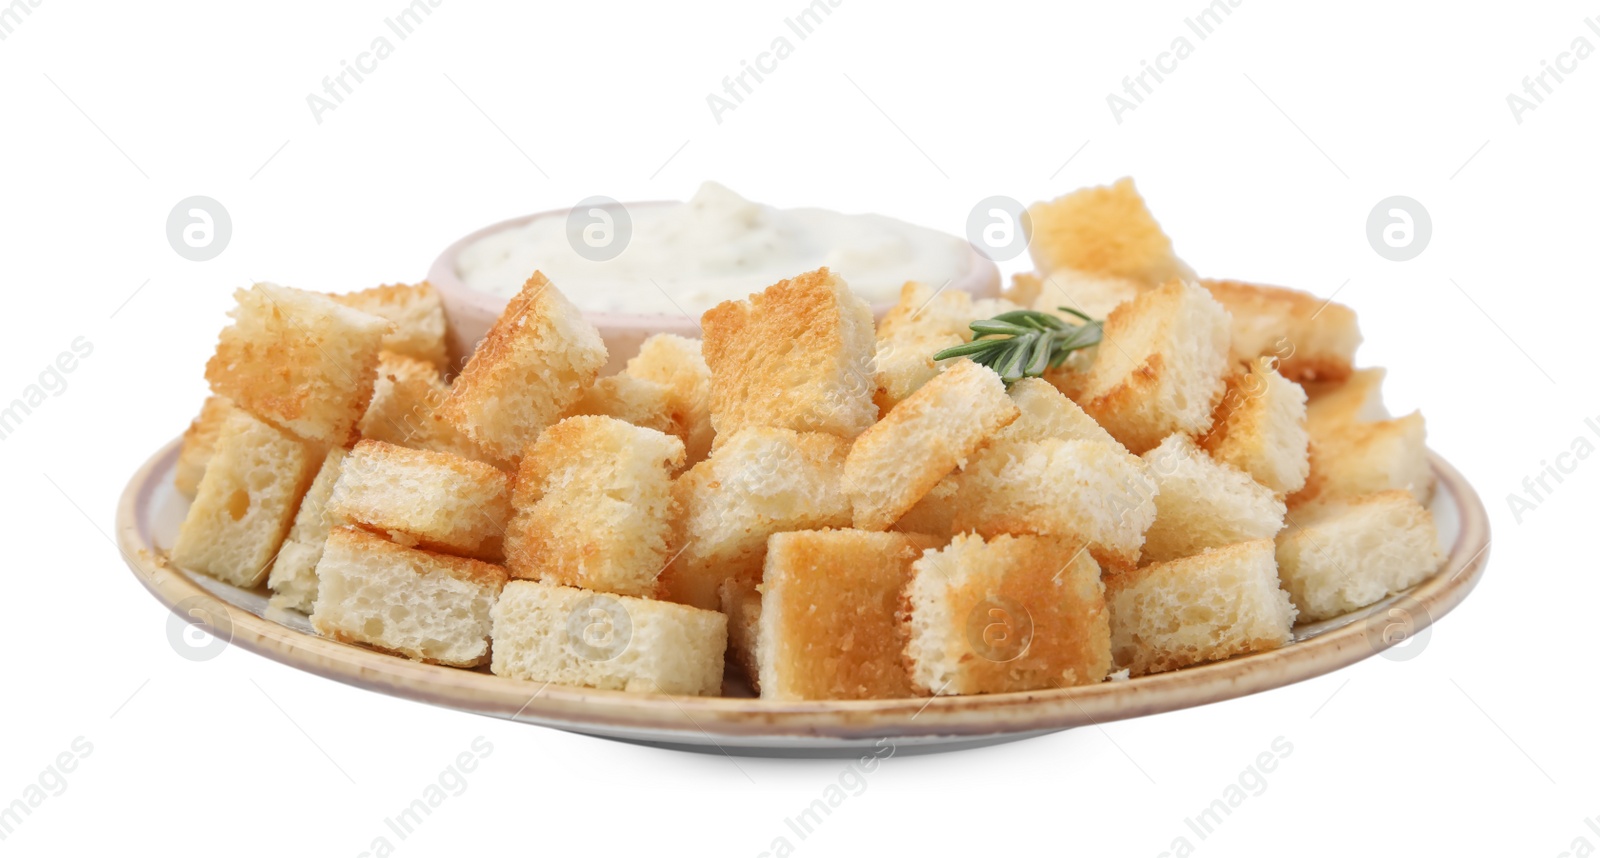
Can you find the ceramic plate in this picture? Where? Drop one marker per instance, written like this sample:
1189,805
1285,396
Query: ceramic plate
151,511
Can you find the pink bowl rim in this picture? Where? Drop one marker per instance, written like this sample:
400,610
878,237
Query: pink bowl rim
980,274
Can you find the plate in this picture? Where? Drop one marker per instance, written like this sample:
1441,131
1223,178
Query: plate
151,510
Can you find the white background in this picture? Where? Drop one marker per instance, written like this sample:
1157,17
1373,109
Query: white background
1262,155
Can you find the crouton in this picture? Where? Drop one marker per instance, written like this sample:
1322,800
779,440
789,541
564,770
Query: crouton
293,578
796,356
1104,231
404,410
199,442
417,314
1160,366
424,606
1045,412
1352,459
549,633
631,400
1216,605
420,498
1202,503
741,602
1094,295
531,366
1355,399
1083,489
757,482
594,506
1311,337
828,627
1342,555
1259,427
298,360
935,513
676,364
896,461
1012,614
1025,288
245,503
922,323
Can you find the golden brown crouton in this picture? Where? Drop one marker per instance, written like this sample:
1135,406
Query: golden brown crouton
1104,231
1352,459
676,364
417,314
1342,555
594,507
895,462
828,627
1355,399
795,356
245,502
1012,614
741,602
758,482
533,364
1202,503
1311,337
1222,603
1160,366
424,606
437,501
631,400
298,360
293,578
923,322
199,442
1259,427
404,410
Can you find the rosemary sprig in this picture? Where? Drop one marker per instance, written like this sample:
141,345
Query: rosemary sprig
1024,343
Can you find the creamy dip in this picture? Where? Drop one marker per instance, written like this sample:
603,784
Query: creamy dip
688,257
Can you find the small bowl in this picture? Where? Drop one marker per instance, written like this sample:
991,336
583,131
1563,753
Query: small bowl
471,312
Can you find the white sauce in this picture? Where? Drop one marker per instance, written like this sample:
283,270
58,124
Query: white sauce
689,257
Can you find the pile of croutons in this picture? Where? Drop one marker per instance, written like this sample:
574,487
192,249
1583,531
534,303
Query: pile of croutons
811,496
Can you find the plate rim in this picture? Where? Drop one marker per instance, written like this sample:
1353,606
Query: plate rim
752,721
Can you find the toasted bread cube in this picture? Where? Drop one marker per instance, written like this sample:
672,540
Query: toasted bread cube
1083,489
741,602
594,507
245,502
199,442
548,633
299,360
676,363
894,463
404,410
419,604
1202,503
1353,459
1016,613
1025,288
758,482
1160,368
419,498
1094,295
293,579
1311,337
828,626
796,356
1343,555
922,323
531,366
1356,399
1106,231
631,400
1259,427
935,513
1045,412
417,314
1216,605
